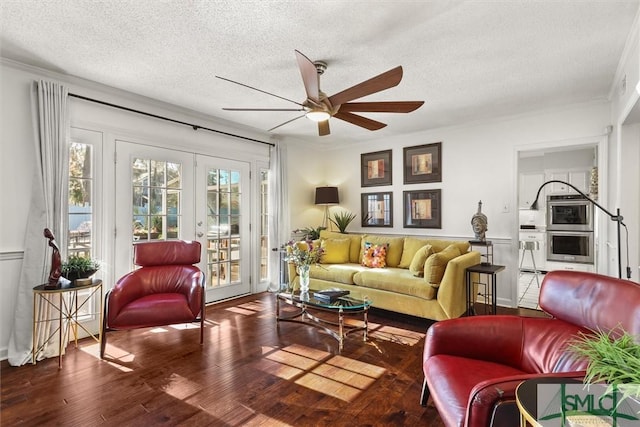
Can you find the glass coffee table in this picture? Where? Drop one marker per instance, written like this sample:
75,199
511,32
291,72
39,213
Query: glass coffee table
352,304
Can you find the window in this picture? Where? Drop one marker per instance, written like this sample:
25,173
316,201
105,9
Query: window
264,225
81,183
84,211
157,187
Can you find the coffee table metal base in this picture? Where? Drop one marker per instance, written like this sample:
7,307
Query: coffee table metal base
305,317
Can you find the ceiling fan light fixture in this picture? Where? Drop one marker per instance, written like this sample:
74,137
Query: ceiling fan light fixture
318,116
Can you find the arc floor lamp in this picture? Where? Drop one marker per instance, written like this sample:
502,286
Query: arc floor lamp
617,218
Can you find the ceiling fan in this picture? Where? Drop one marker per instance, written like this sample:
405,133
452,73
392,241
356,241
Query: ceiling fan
319,107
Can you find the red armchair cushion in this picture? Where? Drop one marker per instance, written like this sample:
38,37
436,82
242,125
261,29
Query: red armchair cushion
474,364
166,290
454,396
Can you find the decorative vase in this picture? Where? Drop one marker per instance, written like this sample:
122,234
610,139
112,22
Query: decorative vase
303,272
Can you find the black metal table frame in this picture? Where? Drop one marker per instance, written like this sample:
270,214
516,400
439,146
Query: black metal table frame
490,288
343,329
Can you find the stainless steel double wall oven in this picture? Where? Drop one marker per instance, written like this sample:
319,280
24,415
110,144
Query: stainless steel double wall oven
570,229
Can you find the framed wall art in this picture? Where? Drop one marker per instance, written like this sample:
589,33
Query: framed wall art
423,163
422,209
377,209
375,168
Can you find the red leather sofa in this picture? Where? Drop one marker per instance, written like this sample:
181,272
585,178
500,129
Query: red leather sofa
167,289
472,365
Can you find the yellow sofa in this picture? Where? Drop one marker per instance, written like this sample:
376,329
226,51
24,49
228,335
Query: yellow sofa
440,294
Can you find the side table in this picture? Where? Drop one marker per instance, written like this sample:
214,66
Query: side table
65,307
527,397
488,245
490,291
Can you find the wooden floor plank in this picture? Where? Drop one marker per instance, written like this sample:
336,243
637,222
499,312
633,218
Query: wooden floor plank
252,371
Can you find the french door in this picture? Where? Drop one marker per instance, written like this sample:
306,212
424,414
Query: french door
162,195
222,224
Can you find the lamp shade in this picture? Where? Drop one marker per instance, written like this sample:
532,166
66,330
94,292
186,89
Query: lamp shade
327,196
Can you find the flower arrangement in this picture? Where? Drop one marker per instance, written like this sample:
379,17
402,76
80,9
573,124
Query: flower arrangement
303,256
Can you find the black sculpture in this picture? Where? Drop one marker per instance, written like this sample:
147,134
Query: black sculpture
56,262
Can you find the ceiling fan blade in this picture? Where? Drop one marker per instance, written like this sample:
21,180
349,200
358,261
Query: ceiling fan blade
359,120
259,90
382,107
375,84
288,121
263,109
323,128
309,77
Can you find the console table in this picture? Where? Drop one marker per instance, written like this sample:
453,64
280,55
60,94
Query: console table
65,307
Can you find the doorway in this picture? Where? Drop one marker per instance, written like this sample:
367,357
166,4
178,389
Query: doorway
166,194
578,162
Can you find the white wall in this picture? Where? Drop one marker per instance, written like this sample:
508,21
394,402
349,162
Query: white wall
624,150
18,151
477,164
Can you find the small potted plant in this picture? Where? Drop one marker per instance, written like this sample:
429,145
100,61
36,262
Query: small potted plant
342,220
78,268
309,233
613,358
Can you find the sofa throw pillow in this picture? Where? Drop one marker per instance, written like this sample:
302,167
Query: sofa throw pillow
436,264
394,247
375,256
417,263
409,249
336,251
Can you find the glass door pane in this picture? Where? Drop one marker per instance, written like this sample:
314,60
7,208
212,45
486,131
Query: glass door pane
154,188
225,188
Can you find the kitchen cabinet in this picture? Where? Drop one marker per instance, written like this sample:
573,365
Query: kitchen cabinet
528,188
555,265
578,178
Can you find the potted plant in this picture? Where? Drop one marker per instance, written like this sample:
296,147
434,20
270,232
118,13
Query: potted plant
309,233
613,358
79,267
342,220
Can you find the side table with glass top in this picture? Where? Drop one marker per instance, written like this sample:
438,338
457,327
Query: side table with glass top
65,309
347,305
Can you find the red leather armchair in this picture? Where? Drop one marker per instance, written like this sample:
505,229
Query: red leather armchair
473,365
167,289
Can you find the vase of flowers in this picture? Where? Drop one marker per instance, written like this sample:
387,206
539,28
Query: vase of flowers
303,254
303,272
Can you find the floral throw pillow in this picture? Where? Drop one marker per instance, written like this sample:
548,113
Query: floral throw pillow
375,256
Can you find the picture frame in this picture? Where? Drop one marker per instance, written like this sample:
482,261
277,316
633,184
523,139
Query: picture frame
422,209
376,169
377,209
423,163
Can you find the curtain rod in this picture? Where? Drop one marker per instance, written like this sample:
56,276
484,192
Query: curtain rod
144,113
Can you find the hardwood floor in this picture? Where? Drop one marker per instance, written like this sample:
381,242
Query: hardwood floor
249,372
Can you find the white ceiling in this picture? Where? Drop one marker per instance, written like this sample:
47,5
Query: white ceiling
469,60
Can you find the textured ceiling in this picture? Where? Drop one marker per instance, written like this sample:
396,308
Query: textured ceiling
469,60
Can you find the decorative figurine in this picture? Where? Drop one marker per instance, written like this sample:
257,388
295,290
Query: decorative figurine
56,262
479,224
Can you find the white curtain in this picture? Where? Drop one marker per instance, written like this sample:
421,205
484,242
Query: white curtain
279,214
48,209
